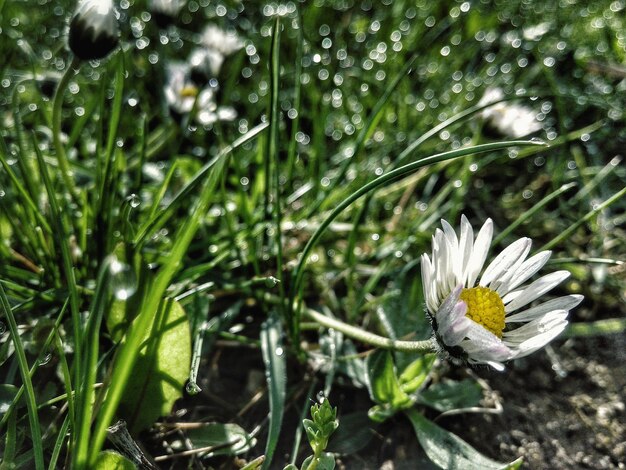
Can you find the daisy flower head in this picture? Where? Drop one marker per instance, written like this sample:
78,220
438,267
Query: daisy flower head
94,31
484,315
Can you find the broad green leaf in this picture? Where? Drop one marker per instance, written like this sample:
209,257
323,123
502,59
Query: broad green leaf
228,439
382,381
161,368
276,377
449,451
109,460
117,320
7,395
326,461
450,395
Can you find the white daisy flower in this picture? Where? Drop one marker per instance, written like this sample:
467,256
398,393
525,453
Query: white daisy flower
489,320
182,96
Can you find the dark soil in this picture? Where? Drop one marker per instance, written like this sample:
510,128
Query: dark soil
561,409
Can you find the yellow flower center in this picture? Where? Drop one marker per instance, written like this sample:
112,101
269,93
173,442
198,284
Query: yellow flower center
485,307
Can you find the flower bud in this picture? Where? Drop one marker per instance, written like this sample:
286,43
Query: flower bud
94,30
165,11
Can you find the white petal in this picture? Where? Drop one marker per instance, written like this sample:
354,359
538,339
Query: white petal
499,283
566,303
457,326
527,269
456,266
505,260
479,253
484,346
466,243
538,342
536,327
443,314
536,290
427,284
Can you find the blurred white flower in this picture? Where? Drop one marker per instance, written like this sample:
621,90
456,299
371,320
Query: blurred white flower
224,42
183,96
180,92
165,11
536,32
215,45
490,321
506,118
94,31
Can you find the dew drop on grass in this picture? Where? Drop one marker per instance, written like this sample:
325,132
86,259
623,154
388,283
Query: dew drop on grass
122,280
279,351
192,388
45,359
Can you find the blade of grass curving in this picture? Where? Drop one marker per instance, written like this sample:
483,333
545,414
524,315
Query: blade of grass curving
276,376
127,355
157,221
396,174
588,216
31,404
532,211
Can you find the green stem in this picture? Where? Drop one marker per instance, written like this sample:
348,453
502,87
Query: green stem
426,346
64,165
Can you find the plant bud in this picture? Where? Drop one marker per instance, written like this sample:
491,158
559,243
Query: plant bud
94,30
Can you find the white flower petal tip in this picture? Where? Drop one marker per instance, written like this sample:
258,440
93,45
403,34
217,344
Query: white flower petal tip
492,321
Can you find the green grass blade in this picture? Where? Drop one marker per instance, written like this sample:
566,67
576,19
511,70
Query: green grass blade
276,377
532,211
31,404
588,216
157,221
127,355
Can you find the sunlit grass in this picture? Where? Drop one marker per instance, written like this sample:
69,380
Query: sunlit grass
295,200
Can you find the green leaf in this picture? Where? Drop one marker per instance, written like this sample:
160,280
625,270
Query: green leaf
382,381
450,395
414,375
326,461
228,439
7,395
117,320
276,377
109,460
161,369
449,451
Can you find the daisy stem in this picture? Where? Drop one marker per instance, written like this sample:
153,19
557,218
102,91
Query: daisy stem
425,346
64,166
